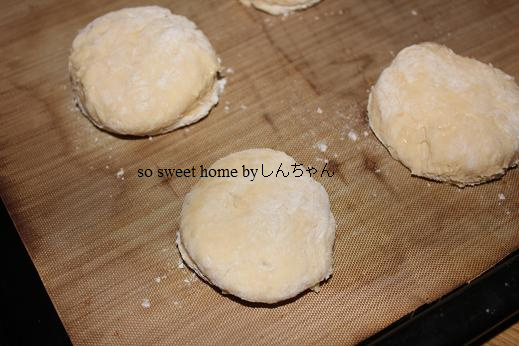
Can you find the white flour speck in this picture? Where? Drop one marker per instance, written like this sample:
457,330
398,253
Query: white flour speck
120,174
414,12
190,279
319,110
150,138
377,170
180,264
157,279
229,70
320,159
243,107
352,135
146,303
321,145
226,108
501,196
365,133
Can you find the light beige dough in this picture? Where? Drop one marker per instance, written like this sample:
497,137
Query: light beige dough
280,7
264,240
143,71
446,117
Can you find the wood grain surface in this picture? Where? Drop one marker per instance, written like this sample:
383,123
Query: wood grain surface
104,245
509,337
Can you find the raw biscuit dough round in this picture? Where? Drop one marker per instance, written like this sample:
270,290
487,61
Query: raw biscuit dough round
265,240
446,117
143,71
280,7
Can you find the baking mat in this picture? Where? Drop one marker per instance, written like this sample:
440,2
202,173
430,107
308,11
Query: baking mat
102,239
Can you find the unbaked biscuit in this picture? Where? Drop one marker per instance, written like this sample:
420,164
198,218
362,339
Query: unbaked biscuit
144,71
446,117
280,7
263,239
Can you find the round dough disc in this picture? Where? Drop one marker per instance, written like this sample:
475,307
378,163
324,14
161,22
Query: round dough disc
446,117
280,7
143,71
265,240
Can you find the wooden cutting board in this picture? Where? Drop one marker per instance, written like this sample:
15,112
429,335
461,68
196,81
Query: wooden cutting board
104,245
